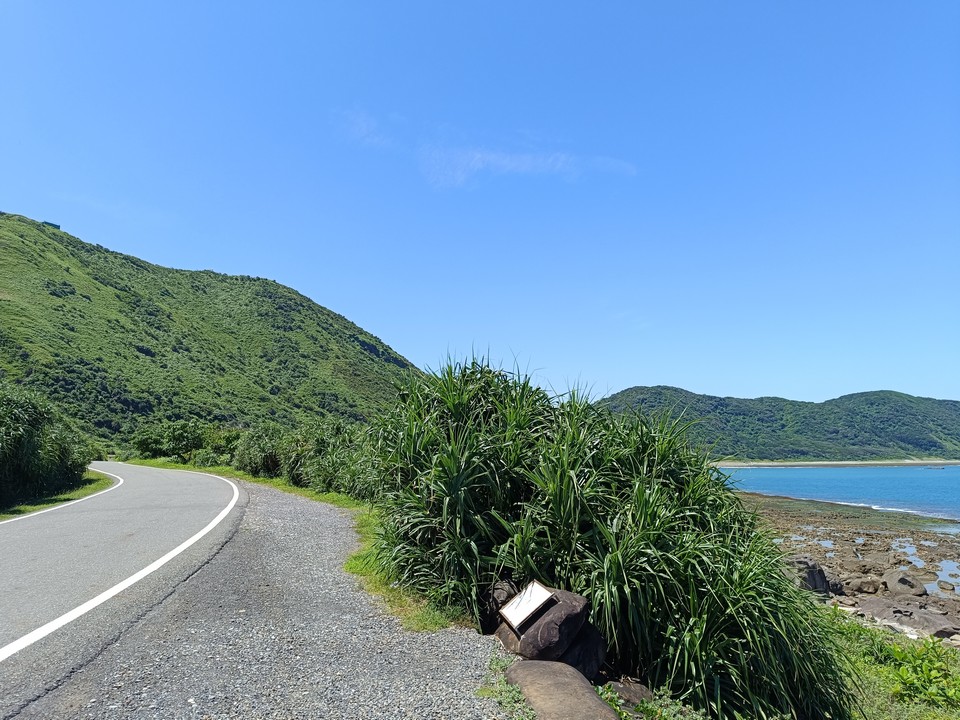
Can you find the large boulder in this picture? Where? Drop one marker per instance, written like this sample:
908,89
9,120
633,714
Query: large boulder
808,573
868,585
587,651
551,631
871,563
900,582
556,691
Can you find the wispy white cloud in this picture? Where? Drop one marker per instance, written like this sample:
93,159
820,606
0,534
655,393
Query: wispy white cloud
360,126
452,167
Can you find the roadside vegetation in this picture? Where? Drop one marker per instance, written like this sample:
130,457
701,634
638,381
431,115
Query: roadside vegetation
91,483
41,453
476,475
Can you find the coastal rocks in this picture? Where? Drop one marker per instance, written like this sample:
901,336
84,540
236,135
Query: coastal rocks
871,563
808,573
869,585
916,615
899,582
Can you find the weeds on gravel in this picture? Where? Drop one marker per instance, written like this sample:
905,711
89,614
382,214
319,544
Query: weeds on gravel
413,610
509,697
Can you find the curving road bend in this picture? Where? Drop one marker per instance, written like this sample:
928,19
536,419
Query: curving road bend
74,577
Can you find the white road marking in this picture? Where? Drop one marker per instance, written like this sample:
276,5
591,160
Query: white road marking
41,632
72,502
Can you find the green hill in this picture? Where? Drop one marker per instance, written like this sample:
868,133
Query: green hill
114,340
863,426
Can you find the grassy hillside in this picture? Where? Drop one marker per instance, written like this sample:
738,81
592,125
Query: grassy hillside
114,340
863,426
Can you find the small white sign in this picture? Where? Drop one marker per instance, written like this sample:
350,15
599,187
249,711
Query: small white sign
524,604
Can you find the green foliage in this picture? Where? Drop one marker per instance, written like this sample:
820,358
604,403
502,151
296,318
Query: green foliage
911,671
487,477
178,439
863,426
259,451
118,343
611,698
40,453
91,482
664,707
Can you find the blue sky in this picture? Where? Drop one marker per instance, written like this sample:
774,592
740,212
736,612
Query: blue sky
736,198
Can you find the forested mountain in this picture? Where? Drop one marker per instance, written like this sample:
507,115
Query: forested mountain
862,426
114,340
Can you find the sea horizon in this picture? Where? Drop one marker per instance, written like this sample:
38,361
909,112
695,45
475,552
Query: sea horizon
929,489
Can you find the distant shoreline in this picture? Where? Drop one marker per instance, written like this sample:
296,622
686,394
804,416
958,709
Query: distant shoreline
833,463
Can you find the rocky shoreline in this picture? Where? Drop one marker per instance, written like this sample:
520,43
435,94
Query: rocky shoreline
897,568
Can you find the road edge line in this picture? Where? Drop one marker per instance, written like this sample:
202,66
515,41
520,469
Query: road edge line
72,502
41,632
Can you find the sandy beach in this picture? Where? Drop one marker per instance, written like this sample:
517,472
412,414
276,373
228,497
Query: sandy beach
837,463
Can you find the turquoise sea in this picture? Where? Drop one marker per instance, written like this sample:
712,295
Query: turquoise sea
932,490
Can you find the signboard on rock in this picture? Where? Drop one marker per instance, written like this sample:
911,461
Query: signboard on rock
524,604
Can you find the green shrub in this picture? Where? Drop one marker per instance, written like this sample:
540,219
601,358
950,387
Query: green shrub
912,671
259,451
205,457
40,453
178,439
485,477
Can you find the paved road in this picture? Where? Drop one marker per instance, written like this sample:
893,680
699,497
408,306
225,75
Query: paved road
270,627
53,563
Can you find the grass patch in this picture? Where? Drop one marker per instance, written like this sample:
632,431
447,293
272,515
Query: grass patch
92,482
902,679
509,697
331,498
414,612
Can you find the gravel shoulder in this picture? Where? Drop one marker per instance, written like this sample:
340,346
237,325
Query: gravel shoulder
272,627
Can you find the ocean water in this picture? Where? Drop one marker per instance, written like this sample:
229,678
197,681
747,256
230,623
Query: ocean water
924,489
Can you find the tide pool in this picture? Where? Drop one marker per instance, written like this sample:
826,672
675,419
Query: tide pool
925,489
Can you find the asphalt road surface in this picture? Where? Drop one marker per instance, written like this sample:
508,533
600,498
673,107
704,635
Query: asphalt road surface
58,563
255,620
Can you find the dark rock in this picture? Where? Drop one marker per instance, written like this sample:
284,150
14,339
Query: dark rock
495,598
587,651
873,564
556,691
809,573
905,611
509,638
549,633
869,585
632,693
899,582
834,584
